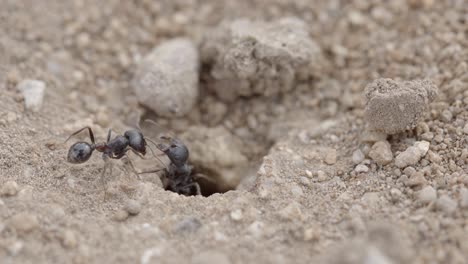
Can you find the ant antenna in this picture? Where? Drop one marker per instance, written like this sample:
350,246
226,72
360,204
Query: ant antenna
154,155
158,125
91,135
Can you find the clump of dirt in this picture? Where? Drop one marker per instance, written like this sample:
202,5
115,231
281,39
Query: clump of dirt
393,106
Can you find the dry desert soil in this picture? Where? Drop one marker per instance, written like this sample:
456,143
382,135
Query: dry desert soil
310,158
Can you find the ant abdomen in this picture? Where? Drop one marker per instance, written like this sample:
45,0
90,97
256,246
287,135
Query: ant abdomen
79,152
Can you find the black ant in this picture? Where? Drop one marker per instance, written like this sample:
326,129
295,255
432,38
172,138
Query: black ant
116,148
179,176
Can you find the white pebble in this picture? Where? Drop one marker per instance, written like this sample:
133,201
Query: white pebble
10,188
423,147
33,93
358,156
427,195
133,207
361,168
236,215
381,153
412,154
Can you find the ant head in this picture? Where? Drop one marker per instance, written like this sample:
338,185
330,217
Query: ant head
177,152
136,141
79,152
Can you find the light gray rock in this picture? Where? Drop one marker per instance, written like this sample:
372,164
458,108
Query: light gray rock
9,188
381,153
358,156
33,93
427,195
412,155
24,222
133,207
166,81
361,168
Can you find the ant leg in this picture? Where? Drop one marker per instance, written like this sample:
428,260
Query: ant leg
150,171
197,187
142,157
204,177
109,135
156,145
158,125
127,161
91,134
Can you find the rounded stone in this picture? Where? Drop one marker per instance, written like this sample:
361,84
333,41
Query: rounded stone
24,222
381,153
10,188
133,207
166,81
427,195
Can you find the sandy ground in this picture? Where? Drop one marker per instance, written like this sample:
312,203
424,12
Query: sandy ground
308,196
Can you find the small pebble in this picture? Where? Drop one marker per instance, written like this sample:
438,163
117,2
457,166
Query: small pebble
166,81
416,180
423,147
446,116
358,156
26,193
33,93
409,171
133,207
291,212
427,195
69,239
361,168
311,234
465,128
330,157
236,215
396,195
255,229
24,222
446,204
412,154
321,176
120,215
9,188
381,153
11,117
